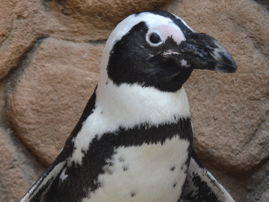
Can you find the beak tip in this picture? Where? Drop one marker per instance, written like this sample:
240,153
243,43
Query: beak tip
226,68
224,61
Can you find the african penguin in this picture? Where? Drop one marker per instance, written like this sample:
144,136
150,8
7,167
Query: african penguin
133,142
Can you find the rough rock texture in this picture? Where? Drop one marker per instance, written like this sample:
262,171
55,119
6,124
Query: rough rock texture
16,175
14,37
50,52
22,22
2,99
58,82
258,184
93,11
9,188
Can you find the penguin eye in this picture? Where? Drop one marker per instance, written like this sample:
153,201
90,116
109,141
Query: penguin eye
154,39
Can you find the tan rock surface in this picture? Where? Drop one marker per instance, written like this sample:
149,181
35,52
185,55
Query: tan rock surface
230,110
117,10
24,22
14,183
2,100
5,19
58,83
15,37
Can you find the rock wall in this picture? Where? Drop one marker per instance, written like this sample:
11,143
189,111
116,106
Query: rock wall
50,52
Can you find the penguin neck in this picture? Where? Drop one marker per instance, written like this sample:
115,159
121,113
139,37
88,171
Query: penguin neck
126,107
133,104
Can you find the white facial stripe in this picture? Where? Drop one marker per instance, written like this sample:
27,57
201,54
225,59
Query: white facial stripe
127,106
168,31
155,170
183,22
152,21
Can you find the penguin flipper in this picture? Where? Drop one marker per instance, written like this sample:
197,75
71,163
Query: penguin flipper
200,185
39,189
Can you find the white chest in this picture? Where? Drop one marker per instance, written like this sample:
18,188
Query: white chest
146,173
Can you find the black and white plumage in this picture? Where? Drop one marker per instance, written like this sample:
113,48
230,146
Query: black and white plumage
133,141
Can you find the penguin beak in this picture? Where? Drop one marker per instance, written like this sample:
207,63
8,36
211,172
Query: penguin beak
201,51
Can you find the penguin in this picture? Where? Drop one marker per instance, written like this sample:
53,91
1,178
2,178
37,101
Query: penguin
134,140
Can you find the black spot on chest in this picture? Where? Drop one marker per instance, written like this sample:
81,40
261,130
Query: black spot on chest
84,178
133,194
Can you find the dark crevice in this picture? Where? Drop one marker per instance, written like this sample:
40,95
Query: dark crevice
257,131
97,42
23,62
24,159
263,3
10,80
258,182
27,161
45,3
262,49
61,5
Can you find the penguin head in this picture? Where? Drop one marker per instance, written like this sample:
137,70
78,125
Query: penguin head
158,49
